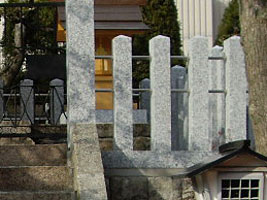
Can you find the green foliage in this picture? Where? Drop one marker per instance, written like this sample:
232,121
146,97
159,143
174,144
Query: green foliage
37,32
36,35
230,24
161,17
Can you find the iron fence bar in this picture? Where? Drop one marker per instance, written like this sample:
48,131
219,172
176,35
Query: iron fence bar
37,4
140,57
217,58
217,91
179,91
41,95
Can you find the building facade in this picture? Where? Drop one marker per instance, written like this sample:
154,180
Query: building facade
200,17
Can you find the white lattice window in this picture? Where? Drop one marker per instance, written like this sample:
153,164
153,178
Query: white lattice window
241,186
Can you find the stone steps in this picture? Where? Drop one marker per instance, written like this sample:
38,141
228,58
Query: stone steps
33,155
28,195
35,178
35,172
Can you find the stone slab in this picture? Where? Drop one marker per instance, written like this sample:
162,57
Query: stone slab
148,159
85,157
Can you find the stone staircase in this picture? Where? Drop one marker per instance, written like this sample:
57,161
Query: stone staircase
35,172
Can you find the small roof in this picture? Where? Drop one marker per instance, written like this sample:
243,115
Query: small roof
228,151
113,17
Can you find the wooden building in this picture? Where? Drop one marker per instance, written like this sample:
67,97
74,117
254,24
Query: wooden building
236,173
112,18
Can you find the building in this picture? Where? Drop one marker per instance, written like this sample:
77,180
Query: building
238,173
112,18
200,17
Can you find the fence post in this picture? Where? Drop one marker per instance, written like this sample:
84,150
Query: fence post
123,102
145,97
56,100
217,100
199,138
178,109
27,100
1,100
236,86
159,48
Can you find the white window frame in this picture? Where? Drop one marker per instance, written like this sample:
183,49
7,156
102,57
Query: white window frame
242,175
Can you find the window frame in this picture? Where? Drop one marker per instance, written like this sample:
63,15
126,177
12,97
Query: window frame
242,175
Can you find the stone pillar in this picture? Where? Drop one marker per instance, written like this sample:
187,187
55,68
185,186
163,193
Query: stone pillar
145,97
27,100
80,61
178,109
217,100
159,48
199,97
236,86
123,97
56,100
84,150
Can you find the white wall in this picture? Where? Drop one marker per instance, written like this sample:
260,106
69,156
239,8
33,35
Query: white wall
200,17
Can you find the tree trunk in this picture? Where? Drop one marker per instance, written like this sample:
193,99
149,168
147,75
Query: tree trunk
14,60
253,19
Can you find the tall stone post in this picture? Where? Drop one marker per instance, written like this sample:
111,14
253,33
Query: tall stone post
236,87
159,49
82,136
199,138
123,96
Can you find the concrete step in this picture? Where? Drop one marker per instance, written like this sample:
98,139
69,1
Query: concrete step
33,155
35,178
28,195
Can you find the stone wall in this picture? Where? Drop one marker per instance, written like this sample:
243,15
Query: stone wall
141,136
149,188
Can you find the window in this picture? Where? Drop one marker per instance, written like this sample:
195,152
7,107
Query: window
241,186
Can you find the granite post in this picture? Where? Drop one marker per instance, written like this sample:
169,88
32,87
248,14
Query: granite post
159,49
123,101
199,138
56,100
27,100
178,109
84,150
217,100
1,99
145,97
236,86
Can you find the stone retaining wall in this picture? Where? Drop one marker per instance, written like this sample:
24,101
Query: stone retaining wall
149,188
